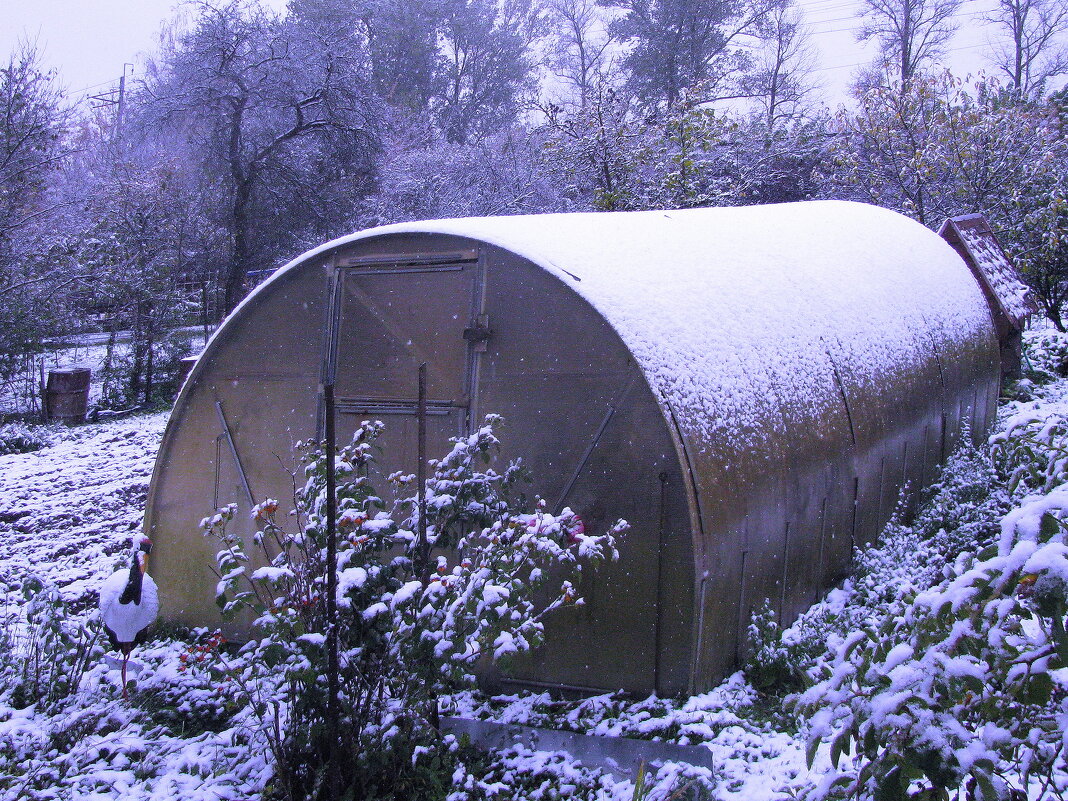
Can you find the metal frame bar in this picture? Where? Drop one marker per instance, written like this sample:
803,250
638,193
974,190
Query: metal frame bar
400,269
615,404
473,366
233,452
661,535
380,406
405,263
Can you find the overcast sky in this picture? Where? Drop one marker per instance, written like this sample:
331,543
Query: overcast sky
88,41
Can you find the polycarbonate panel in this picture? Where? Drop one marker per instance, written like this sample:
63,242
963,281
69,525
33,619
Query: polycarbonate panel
398,445
391,321
578,413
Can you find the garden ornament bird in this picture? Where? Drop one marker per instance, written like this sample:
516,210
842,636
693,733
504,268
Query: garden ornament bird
129,603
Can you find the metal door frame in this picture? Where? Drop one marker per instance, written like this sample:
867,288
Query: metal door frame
399,264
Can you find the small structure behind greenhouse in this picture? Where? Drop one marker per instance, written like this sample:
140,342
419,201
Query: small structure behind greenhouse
751,388
1009,299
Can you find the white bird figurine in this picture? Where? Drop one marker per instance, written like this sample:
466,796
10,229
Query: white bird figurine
129,603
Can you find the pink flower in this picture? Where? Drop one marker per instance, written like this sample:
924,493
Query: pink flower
575,530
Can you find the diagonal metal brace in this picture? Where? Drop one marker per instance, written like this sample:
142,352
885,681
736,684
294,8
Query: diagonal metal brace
233,452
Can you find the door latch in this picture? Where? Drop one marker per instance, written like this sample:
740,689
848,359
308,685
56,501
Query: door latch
479,334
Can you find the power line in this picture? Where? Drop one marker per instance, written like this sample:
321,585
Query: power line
865,63
832,5
115,97
835,5
83,91
858,8
968,15
855,7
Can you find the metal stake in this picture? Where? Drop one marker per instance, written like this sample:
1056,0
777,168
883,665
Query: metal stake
422,547
332,712
233,453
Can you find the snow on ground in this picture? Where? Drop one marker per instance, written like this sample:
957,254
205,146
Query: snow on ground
66,511
754,757
101,747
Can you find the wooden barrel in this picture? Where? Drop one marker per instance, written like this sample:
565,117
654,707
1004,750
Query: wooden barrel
67,395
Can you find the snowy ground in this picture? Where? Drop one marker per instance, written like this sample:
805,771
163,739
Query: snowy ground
67,514
67,510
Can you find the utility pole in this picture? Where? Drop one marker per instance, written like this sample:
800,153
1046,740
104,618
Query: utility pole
122,100
116,97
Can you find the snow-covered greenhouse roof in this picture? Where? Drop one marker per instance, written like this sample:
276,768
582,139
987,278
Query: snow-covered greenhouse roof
726,309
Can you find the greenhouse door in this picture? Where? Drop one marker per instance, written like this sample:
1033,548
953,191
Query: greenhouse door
389,317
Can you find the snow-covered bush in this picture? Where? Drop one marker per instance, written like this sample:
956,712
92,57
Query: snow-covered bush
959,688
518,772
1045,359
186,699
1031,450
961,511
414,616
147,372
43,652
1046,351
775,664
957,684
22,438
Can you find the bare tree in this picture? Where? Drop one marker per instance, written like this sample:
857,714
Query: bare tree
500,174
266,102
594,152
685,50
33,123
485,65
32,119
781,79
1033,53
909,32
580,45
135,229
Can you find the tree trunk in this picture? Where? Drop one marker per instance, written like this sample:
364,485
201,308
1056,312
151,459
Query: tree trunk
138,355
1054,315
242,256
235,282
150,346
106,369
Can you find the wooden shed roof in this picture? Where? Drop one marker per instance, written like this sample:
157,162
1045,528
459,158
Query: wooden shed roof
972,237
